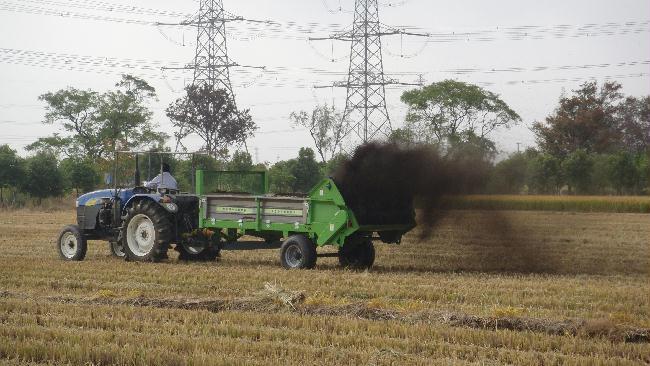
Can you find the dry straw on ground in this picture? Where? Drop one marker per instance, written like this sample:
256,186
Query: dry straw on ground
546,288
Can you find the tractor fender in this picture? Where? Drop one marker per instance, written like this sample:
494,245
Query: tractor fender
153,197
139,197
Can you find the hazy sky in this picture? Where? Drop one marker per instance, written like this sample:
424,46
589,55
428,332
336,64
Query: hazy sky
528,52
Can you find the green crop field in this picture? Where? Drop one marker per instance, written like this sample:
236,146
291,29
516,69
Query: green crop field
488,288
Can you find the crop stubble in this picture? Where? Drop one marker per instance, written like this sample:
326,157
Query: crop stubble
536,266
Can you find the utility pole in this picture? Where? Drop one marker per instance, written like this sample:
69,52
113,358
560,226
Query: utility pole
366,115
518,144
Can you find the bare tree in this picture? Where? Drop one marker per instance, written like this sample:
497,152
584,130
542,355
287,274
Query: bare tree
213,116
325,125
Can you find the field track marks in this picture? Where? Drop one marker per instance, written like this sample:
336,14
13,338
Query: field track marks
279,301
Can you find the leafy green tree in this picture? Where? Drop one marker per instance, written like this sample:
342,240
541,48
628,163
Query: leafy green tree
402,137
326,127
600,182
125,118
449,109
186,169
635,124
76,111
241,161
11,169
623,173
281,178
643,172
94,125
213,116
332,165
306,171
589,119
58,145
42,177
79,175
545,174
509,175
577,168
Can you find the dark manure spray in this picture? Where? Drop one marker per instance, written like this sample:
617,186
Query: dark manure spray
383,182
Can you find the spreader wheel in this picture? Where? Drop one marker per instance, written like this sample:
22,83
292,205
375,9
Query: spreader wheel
298,252
357,255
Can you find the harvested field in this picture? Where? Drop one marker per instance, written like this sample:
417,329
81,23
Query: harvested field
522,288
631,204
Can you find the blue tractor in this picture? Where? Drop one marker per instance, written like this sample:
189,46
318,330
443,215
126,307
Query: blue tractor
139,223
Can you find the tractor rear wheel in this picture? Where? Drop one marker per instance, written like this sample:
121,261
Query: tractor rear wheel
357,255
72,244
146,232
188,252
298,252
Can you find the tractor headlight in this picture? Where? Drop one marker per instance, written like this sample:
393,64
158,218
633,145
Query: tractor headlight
171,207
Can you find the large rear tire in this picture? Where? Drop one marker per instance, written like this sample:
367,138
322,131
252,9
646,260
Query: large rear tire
146,232
72,244
357,255
298,252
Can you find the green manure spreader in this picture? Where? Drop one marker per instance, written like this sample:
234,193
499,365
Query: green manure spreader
237,204
228,211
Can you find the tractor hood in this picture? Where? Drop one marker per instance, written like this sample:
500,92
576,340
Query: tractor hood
95,198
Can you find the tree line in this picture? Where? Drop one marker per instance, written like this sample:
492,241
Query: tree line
595,141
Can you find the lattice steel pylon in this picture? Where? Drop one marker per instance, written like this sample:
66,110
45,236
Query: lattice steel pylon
211,62
366,113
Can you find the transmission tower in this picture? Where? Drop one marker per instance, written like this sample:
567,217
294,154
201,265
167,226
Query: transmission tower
211,62
366,115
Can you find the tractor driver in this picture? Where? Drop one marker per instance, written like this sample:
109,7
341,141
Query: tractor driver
164,180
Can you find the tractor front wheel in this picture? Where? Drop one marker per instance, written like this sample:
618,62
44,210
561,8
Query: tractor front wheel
357,255
146,232
72,244
298,252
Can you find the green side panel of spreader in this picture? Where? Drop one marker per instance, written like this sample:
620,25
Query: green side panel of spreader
328,220
331,220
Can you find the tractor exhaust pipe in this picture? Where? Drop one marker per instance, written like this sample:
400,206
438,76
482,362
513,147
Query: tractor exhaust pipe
137,170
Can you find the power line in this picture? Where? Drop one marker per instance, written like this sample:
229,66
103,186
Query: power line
109,7
274,76
284,30
20,55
